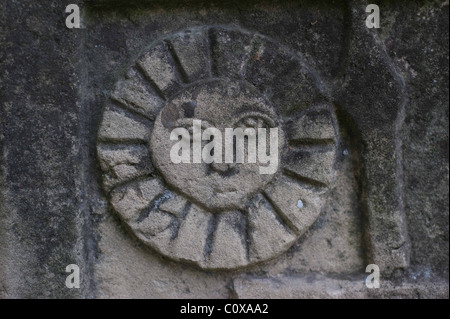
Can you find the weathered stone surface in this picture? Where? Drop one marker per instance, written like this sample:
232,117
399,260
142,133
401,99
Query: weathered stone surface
43,146
123,163
365,110
320,287
136,95
130,200
423,63
158,66
314,125
190,242
267,244
220,188
285,195
376,106
222,105
191,51
233,49
229,246
121,127
155,223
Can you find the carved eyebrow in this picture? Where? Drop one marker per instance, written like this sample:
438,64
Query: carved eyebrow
188,121
258,114
264,108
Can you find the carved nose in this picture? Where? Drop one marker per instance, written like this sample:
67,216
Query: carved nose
222,167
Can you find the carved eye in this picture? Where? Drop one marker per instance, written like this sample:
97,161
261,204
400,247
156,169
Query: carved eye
255,120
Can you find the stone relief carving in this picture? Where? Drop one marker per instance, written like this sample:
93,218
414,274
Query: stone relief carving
217,216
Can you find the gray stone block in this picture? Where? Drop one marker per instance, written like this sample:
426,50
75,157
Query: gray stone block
86,179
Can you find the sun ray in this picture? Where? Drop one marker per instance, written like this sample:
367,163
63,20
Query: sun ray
120,125
307,182
159,68
264,244
312,167
190,54
142,73
211,224
123,163
285,195
131,199
230,52
190,242
227,247
134,94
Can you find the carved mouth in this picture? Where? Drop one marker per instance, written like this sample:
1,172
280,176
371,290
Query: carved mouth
224,170
225,190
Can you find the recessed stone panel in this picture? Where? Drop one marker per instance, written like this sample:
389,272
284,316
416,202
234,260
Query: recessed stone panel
218,215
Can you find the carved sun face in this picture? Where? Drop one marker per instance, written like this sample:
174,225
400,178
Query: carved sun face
215,186
227,215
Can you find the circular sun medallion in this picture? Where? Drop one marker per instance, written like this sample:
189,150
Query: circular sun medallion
219,104
217,215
